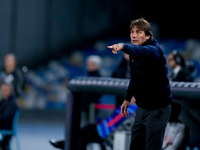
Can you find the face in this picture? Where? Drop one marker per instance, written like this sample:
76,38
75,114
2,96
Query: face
171,62
9,63
91,66
5,91
137,36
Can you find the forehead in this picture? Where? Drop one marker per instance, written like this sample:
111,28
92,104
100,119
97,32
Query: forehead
90,62
136,27
9,57
171,55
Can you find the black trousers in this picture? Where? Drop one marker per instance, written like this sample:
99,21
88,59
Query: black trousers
148,129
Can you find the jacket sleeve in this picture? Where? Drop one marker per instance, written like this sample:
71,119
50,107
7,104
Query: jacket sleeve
129,93
136,51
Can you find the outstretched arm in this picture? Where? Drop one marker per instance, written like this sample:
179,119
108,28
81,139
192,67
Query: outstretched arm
136,51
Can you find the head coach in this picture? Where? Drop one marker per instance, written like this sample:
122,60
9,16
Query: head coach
149,85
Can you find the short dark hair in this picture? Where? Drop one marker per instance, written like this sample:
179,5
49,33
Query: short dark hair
143,25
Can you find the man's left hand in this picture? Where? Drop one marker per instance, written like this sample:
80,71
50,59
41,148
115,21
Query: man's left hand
124,108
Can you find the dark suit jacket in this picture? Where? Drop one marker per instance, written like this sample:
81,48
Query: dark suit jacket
183,75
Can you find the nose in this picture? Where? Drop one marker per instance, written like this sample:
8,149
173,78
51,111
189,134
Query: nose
133,35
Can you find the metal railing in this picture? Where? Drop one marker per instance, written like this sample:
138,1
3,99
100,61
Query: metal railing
180,90
115,86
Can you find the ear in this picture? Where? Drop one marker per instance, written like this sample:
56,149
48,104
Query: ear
147,37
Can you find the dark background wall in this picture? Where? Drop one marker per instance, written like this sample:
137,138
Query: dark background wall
38,30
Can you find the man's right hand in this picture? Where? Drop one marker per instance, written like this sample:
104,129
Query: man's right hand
116,47
124,108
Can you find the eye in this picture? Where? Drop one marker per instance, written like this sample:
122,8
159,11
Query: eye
139,31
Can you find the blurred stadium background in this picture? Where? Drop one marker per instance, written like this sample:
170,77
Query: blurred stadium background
52,38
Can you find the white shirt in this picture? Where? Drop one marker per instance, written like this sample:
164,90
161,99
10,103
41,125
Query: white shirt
176,71
174,133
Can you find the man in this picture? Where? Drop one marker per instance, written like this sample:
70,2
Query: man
149,85
93,65
88,130
11,74
180,71
8,107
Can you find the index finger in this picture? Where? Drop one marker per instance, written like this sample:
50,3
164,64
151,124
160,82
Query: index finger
110,47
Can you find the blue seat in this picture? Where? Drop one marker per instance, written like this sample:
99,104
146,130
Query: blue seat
14,131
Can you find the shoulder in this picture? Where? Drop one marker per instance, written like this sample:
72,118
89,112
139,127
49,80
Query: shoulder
186,73
185,70
153,44
156,44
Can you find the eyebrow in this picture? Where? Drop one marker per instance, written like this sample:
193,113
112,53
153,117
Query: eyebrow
136,30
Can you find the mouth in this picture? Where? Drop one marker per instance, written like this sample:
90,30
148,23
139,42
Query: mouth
134,41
